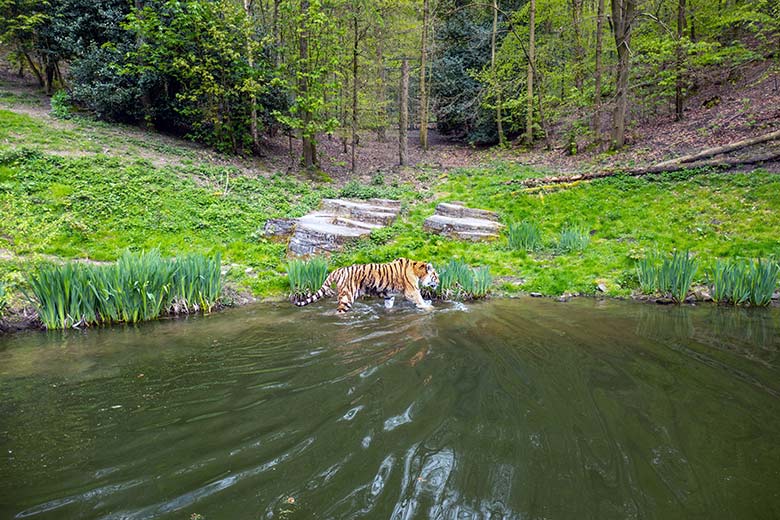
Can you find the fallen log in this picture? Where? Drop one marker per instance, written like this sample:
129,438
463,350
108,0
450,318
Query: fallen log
664,167
718,150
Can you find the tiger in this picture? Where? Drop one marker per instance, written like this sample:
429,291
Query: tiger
384,280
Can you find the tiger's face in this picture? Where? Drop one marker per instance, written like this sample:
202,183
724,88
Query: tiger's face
430,278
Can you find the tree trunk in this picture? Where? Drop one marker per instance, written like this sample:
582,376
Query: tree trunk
251,63
49,77
678,88
403,111
146,97
579,50
529,117
423,93
499,122
381,97
307,140
622,18
354,94
277,37
33,68
596,125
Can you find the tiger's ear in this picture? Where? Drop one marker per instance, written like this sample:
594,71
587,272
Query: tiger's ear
429,267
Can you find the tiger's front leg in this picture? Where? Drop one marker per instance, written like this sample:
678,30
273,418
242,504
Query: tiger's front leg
415,296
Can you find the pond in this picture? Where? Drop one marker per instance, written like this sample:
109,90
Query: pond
518,408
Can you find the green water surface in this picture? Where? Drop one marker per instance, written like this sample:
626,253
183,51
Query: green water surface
505,409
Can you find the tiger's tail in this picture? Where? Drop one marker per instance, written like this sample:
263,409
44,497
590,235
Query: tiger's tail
325,290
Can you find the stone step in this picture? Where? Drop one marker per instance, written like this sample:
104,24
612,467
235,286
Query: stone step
279,227
339,221
455,210
386,203
321,235
342,221
446,224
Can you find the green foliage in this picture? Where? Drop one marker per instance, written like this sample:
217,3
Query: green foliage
525,236
60,105
741,282
213,72
572,238
138,287
3,299
357,190
458,281
306,276
668,276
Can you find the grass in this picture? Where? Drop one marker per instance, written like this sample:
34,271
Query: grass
138,287
3,300
743,282
306,276
669,276
99,206
524,236
458,281
572,238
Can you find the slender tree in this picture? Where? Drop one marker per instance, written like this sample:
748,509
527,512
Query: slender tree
423,72
596,125
355,52
250,51
529,120
403,113
307,139
499,122
622,20
679,58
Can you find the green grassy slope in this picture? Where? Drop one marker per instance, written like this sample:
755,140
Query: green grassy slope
98,206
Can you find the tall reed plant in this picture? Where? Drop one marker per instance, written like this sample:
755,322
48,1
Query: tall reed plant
743,282
306,276
669,276
573,238
524,236
3,299
138,287
459,281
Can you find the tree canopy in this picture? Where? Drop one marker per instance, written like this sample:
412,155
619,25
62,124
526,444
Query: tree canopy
225,72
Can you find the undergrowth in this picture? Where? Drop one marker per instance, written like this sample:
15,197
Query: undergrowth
669,276
138,287
306,276
744,282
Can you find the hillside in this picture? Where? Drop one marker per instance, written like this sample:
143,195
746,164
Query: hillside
89,191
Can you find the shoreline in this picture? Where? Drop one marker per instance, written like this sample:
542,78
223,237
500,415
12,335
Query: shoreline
25,319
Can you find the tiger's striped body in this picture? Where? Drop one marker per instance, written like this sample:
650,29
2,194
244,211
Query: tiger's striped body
401,276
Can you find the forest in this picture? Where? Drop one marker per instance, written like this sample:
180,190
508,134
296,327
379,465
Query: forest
571,74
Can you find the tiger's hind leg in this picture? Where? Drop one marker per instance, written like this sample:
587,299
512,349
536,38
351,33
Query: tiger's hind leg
345,301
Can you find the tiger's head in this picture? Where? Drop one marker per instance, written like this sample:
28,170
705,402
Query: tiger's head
430,277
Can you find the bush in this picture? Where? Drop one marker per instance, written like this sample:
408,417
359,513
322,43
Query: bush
741,282
668,276
458,281
524,236
573,238
3,299
306,276
138,287
60,105
101,85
